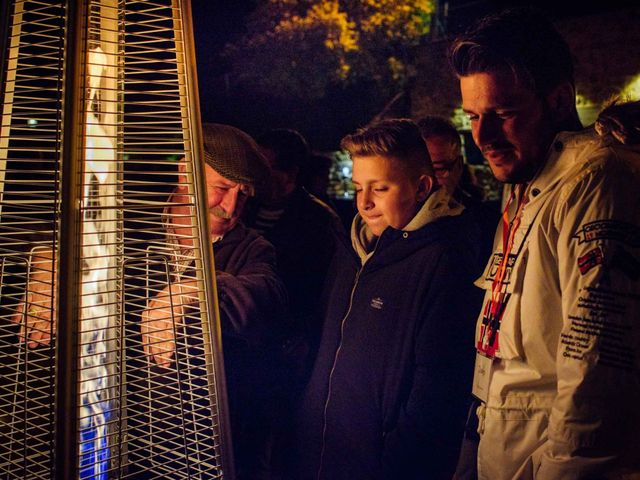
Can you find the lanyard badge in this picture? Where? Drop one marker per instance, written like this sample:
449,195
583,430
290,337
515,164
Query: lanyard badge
490,328
488,343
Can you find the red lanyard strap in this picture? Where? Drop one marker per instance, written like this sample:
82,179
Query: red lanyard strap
494,310
509,230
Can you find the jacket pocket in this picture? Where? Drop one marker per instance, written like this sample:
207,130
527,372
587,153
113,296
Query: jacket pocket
510,444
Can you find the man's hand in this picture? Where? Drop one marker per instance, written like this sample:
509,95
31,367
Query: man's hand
162,317
39,301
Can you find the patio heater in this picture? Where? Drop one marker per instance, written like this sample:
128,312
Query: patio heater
99,105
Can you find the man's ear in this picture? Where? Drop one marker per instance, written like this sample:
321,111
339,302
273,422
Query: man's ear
425,184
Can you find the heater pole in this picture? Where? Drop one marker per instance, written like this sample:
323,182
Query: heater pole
68,281
212,334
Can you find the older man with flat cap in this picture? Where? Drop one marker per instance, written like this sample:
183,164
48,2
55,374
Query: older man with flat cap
252,298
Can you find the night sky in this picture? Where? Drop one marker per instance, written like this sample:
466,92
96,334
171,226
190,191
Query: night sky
217,22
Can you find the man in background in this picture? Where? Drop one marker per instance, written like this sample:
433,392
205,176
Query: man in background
304,231
445,150
302,228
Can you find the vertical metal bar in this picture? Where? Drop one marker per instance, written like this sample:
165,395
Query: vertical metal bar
180,376
68,281
8,68
211,329
4,35
117,461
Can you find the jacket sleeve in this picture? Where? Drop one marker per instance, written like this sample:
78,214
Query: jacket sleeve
253,299
595,413
425,440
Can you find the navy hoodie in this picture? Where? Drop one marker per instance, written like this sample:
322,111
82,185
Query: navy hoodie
388,395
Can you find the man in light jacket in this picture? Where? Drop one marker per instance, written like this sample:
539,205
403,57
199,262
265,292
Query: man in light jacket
557,340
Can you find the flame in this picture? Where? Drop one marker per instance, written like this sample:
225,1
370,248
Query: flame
96,310
99,150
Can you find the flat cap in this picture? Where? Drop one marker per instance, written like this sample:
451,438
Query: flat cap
235,155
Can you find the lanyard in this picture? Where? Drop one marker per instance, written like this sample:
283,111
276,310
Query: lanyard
494,310
508,237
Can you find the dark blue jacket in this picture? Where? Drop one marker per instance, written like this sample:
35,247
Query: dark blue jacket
388,395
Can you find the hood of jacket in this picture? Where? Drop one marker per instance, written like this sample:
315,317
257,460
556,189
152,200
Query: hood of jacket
621,120
439,204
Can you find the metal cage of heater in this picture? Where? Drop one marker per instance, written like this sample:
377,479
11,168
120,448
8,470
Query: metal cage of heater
99,107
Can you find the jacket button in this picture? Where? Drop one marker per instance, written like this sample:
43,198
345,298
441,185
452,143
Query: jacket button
405,234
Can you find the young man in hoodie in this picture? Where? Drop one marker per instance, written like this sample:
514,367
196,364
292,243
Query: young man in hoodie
387,394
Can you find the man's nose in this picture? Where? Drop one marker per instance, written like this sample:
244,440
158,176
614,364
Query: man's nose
230,200
365,200
486,130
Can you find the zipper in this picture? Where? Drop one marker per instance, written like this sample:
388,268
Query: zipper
335,360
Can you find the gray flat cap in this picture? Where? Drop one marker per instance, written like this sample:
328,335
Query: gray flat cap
235,155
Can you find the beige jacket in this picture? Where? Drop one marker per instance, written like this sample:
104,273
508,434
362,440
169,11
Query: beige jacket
564,395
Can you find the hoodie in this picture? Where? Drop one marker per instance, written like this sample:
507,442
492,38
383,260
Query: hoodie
387,396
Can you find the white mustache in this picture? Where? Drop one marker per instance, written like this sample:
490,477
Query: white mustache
219,212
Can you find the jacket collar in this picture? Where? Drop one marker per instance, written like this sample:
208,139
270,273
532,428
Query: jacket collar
563,154
438,205
553,169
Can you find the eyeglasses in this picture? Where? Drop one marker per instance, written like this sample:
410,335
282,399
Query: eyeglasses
444,169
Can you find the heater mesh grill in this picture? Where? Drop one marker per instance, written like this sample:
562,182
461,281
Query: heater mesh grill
135,418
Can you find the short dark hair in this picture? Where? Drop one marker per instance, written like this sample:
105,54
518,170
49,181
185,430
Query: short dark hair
435,126
521,40
290,147
397,138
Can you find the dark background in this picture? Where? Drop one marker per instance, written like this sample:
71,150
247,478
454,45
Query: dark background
217,22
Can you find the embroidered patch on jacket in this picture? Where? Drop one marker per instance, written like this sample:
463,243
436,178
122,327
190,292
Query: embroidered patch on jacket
590,259
608,230
377,303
